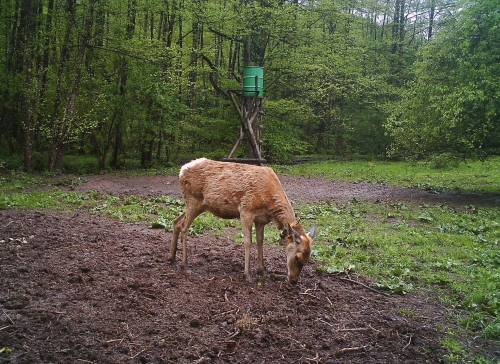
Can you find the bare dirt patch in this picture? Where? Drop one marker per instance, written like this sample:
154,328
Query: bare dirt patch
82,288
298,188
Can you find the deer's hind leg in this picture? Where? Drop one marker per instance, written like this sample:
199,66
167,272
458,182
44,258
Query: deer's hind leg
193,209
259,232
175,236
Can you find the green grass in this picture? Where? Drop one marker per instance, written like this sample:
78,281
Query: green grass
466,176
451,254
158,212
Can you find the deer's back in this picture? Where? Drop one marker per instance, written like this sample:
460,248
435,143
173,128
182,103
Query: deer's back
226,188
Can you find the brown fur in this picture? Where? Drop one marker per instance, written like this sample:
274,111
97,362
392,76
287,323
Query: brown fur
251,193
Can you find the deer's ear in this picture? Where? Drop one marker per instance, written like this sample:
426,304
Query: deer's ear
312,232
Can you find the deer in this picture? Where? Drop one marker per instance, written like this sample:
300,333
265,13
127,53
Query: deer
253,194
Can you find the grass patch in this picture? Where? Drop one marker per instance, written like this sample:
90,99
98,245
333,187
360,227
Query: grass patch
158,212
405,247
466,176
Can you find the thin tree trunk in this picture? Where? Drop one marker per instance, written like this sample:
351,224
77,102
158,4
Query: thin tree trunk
431,19
122,88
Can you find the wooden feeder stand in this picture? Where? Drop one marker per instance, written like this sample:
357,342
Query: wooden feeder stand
249,105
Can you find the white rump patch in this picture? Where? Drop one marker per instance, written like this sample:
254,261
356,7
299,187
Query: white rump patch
191,164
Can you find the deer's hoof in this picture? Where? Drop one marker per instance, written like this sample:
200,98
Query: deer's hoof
262,271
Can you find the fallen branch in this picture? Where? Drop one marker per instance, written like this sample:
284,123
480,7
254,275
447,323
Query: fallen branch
224,313
409,342
348,350
5,313
3,227
114,340
355,329
323,321
2,328
316,359
143,350
308,294
364,285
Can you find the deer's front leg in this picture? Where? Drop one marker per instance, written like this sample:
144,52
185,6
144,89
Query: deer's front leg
259,232
247,234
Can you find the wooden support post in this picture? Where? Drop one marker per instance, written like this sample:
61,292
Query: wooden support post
250,111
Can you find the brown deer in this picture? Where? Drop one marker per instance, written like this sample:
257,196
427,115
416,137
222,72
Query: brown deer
251,193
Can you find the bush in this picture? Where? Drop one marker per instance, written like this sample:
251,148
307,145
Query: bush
444,161
11,162
80,164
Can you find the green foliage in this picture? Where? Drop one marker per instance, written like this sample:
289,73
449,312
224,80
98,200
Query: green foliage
141,89
453,104
284,130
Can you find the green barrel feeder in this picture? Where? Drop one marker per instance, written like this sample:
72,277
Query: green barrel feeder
253,81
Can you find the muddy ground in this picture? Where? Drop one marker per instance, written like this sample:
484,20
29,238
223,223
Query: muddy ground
82,288
298,189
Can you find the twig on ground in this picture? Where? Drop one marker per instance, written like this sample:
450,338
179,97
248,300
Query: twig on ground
10,222
308,294
355,329
234,334
316,359
348,350
323,321
374,329
202,359
143,350
114,340
328,299
224,313
6,315
3,328
225,296
85,361
298,342
408,344
364,285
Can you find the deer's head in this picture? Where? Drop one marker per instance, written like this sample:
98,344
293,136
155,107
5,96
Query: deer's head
298,248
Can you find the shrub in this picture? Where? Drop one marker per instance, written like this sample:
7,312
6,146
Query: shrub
444,161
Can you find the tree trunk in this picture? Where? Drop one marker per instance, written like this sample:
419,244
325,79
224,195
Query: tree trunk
431,19
122,89
193,74
65,120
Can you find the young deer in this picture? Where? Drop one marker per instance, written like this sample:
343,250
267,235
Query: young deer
251,193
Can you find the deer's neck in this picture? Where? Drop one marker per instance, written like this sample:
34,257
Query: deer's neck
282,211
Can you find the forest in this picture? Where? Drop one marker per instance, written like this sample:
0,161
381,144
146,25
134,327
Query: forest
123,84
